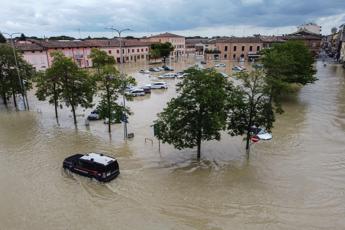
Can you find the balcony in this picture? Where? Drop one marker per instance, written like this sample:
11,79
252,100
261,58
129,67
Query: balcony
78,56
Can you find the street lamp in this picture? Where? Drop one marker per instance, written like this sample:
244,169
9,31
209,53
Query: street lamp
119,31
22,86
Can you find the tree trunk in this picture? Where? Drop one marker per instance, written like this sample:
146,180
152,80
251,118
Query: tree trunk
4,98
109,112
74,116
199,143
250,124
14,99
55,102
199,149
247,141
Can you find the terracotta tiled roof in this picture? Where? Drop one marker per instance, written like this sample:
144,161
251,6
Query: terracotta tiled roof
272,39
48,44
63,44
28,47
166,35
116,43
237,40
196,40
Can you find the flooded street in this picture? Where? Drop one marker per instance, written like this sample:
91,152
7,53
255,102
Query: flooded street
296,181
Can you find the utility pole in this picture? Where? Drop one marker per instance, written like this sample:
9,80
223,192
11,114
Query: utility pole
22,85
119,31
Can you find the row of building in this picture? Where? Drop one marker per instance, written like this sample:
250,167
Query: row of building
39,52
334,44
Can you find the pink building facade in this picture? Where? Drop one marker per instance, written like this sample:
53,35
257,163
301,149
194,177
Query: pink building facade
39,53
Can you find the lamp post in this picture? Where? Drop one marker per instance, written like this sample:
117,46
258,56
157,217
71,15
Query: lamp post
119,32
22,86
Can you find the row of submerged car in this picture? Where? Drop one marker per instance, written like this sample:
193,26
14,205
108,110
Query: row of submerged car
156,69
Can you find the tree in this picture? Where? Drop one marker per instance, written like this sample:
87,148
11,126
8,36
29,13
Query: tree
197,114
9,81
77,87
286,65
2,38
22,37
62,37
111,86
48,86
100,58
161,50
248,105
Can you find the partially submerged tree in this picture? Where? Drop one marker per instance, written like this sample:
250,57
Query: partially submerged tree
249,105
161,50
197,114
10,83
286,65
77,87
48,86
111,86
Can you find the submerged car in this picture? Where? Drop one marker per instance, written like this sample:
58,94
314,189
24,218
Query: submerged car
159,85
94,116
146,88
261,133
154,69
220,65
144,71
238,68
224,74
167,68
93,165
167,75
264,135
135,92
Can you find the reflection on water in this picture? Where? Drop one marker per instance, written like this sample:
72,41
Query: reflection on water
295,181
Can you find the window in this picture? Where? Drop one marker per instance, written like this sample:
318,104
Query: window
258,48
142,56
131,58
226,48
225,56
33,52
235,48
132,50
243,48
129,50
123,51
250,48
234,56
117,51
146,49
109,51
142,50
138,50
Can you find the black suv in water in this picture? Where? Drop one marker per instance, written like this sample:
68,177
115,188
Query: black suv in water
94,165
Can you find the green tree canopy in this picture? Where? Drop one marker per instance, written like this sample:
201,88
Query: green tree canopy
2,38
287,64
111,85
48,86
77,87
197,114
249,104
10,83
101,58
161,50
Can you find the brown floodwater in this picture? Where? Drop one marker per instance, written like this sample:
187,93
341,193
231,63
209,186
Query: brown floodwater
296,181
